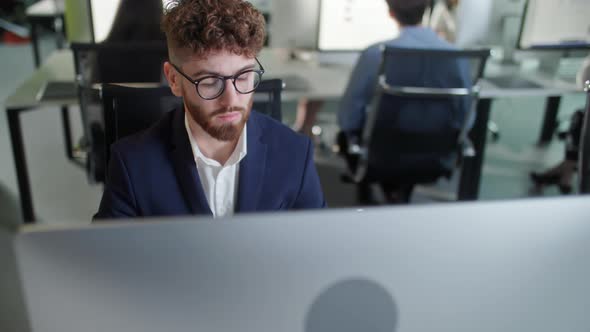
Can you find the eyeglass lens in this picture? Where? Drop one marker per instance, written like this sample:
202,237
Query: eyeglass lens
212,87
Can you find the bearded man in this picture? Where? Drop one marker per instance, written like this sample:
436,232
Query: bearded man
215,155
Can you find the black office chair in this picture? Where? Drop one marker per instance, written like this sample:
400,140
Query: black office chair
584,159
117,62
267,98
415,129
109,62
131,108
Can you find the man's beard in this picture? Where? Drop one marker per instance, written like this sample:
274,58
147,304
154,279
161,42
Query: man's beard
224,132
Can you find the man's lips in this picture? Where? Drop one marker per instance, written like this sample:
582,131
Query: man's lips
229,116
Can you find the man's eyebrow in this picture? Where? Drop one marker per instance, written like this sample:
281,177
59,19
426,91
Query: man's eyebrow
208,72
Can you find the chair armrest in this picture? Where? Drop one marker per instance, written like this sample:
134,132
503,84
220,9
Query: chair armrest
357,150
467,149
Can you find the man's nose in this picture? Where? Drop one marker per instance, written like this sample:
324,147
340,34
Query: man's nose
229,95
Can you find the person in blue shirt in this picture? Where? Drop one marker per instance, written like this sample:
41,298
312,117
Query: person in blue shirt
361,85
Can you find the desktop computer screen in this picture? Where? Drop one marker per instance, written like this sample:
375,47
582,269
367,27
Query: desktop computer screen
552,24
293,24
488,22
353,25
103,14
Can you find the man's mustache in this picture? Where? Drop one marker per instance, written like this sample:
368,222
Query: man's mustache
227,110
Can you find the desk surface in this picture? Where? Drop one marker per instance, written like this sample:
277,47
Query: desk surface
58,67
549,85
46,8
320,81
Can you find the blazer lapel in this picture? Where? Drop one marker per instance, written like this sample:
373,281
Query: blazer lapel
251,175
185,167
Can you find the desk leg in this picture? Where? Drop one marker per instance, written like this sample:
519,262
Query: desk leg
550,120
35,44
65,120
471,170
58,25
20,163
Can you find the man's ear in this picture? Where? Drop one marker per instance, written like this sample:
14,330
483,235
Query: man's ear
173,79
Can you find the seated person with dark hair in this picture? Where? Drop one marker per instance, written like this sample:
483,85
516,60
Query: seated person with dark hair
215,155
562,174
361,86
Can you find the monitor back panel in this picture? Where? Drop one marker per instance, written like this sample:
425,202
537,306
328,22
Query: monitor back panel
504,266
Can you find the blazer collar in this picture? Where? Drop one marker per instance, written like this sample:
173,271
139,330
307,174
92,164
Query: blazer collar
252,167
184,165
251,173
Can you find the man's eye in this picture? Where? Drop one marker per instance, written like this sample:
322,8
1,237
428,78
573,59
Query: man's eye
211,81
244,76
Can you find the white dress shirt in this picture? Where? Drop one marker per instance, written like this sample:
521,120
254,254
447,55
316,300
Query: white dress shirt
220,182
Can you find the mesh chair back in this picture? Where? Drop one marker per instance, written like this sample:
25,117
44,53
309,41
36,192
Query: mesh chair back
267,98
110,62
421,104
128,110
119,62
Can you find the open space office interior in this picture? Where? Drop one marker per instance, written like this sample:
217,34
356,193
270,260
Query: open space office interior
309,165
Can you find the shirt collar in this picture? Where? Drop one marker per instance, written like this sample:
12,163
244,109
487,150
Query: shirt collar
237,155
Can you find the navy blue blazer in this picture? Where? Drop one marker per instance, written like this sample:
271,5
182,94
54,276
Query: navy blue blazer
153,173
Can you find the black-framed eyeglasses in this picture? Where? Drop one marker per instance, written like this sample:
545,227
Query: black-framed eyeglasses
212,86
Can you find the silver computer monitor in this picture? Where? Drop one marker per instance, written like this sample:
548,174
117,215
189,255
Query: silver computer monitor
488,22
293,24
550,24
353,25
103,15
513,266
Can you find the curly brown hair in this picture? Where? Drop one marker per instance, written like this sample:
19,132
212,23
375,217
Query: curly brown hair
197,27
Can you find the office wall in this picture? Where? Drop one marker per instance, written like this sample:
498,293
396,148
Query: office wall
77,20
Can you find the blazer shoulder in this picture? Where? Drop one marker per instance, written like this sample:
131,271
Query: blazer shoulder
276,132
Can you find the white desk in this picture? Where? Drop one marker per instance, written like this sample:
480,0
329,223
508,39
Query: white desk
322,82
52,12
58,67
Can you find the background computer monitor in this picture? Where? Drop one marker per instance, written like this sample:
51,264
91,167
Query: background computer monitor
550,24
486,22
293,24
353,25
103,14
